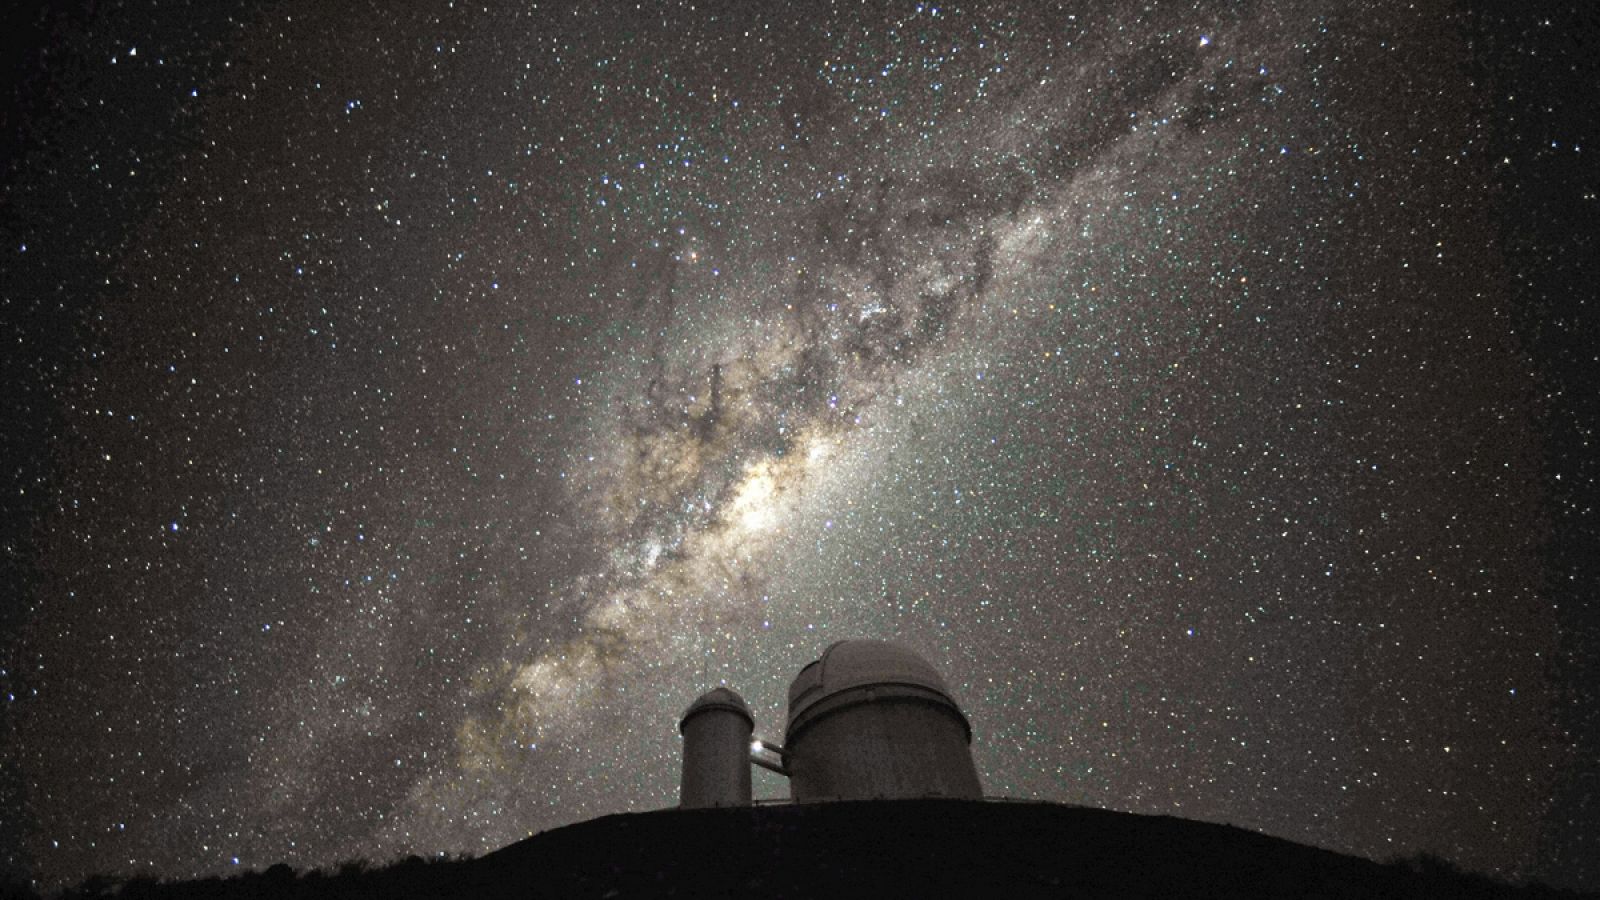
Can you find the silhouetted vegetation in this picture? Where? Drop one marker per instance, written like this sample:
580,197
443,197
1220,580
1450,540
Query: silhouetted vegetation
886,849
410,877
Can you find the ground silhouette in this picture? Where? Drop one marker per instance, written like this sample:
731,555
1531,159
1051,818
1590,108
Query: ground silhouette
904,848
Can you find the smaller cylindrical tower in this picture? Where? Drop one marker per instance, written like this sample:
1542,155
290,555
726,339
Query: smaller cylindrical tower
716,733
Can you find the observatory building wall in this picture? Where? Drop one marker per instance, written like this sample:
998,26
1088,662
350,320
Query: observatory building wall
888,747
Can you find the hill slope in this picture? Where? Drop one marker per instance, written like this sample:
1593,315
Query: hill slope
947,848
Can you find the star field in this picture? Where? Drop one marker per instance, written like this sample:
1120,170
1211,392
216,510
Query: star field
415,413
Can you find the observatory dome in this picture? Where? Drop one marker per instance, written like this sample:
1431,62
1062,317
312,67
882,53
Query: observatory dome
873,720
716,747
849,666
717,699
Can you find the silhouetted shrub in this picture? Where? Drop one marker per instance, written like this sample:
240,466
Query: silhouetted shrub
139,888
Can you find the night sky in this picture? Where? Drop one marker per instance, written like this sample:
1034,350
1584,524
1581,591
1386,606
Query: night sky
408,415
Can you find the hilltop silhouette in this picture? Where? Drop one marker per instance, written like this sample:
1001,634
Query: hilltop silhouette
947,848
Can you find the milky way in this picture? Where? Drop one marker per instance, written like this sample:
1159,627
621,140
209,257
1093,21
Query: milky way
428,410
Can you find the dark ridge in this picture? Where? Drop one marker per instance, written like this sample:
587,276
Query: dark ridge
922,848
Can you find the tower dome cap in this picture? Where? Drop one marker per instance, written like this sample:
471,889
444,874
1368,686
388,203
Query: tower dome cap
717,699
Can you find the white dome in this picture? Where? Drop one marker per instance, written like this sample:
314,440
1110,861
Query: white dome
848,665
717,698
